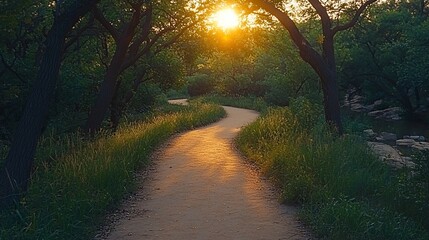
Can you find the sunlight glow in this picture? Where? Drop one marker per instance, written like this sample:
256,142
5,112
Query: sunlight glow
226,19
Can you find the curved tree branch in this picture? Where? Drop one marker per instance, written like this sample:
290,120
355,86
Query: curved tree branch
323,13
355,18
105,23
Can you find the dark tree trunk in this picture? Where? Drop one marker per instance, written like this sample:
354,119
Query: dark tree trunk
418,98
116,109
331,101
107,91
15,174
110,85
325,68
406,103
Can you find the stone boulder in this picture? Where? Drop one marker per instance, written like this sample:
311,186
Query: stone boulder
421,146
387,114
390,155
369,133
416,138
405,142
386,136
357,107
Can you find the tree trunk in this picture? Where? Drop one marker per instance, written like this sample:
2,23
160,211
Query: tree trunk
16,171
110,85
325,68
116,109
107,91
331,100
15,174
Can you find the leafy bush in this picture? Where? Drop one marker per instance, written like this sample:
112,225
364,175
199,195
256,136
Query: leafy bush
278,90
253,103
146,97
199,85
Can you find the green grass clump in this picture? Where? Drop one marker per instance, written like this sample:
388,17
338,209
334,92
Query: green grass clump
346,192
253,103
72,189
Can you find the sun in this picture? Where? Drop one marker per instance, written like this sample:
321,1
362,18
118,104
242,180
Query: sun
226,18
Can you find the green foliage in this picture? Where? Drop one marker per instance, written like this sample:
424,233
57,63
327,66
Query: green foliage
167,69
345,218
147,96
78,181
394,68
347,193
413,187
253,103
199,85
178,93
278,92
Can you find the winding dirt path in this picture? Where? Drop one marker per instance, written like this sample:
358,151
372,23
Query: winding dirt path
200,188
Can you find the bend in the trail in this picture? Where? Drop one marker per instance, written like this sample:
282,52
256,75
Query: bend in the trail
201,189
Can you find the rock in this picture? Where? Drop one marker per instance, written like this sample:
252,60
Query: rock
356,99
357,107
371,107
375,113
405,142
388,136
417,138
389,155
387,114
378,102
421,146
369,132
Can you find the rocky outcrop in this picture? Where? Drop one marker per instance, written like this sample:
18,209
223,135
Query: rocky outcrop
413,142
405,142
390,155
355,103
369,133
416,138
392,113
386,136
421,146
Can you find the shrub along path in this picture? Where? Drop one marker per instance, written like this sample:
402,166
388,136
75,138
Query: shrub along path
200,188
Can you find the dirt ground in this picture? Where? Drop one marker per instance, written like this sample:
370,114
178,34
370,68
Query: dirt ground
200,188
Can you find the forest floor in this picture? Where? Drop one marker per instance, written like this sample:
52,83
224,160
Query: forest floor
199,187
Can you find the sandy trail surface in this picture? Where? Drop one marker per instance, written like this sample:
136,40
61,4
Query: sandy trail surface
200,188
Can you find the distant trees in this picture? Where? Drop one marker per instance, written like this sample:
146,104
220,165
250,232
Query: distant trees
322,62
387,55
255,60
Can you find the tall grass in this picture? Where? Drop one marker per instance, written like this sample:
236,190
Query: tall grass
79,181
253,103
346,192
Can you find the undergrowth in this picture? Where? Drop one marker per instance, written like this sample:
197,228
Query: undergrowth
253,103
77,181
345,191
